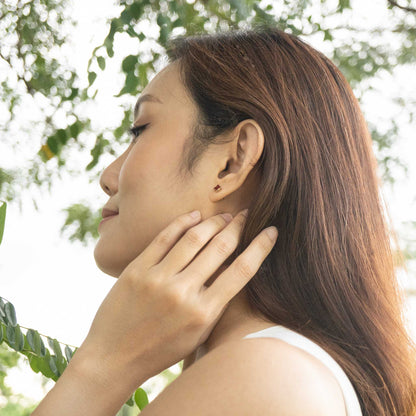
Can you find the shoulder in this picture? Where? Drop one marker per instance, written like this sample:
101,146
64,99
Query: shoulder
252,376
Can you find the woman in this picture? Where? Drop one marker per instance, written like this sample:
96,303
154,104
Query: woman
310,325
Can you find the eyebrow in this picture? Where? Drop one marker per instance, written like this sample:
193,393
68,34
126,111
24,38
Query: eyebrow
143,98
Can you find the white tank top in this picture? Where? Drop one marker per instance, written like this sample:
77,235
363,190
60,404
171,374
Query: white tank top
352,405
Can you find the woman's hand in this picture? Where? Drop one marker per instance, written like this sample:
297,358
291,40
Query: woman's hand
160,310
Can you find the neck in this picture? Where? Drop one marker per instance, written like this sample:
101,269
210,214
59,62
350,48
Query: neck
235,322
224,329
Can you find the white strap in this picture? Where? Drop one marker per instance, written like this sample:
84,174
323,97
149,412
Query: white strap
352,404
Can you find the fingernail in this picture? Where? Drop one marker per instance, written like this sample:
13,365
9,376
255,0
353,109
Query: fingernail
245,212
195,214
272,233
228,217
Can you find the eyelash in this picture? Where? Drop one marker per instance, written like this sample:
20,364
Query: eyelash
135,132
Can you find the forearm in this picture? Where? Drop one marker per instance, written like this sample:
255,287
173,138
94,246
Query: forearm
88,388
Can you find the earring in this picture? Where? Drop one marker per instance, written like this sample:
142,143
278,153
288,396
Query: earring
217,188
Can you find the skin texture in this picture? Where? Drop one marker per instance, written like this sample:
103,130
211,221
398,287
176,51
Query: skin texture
275,379
162,306
143,186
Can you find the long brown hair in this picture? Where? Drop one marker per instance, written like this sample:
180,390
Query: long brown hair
331,274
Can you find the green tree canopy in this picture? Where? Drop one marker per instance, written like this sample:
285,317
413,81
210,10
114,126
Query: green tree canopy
36,74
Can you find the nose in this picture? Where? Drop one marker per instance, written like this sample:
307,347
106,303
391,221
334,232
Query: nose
109,178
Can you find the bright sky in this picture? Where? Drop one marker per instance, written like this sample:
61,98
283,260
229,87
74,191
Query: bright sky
55,285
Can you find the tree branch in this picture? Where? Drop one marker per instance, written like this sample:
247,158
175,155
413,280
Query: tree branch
6,59
409,9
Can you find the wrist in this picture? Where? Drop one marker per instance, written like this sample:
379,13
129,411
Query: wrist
85,379
107,373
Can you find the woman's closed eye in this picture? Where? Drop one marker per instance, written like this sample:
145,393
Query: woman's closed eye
135,131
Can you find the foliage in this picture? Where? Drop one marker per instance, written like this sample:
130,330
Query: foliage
34,34
34,70
2,218
50,361
86,222
37,75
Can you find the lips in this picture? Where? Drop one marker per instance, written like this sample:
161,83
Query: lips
108,212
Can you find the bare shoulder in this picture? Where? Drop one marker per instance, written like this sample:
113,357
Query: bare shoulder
254,376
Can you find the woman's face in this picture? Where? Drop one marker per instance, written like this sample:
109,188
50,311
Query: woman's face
142,183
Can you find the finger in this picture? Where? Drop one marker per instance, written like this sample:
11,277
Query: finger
167,238
208,261
191,243
241,270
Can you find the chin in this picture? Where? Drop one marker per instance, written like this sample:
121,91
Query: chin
108,263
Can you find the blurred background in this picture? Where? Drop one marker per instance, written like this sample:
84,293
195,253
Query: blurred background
70,73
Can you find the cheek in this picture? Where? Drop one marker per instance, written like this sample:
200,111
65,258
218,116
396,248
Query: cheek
150,167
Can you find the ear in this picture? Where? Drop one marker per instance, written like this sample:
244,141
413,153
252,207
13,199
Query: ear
239,158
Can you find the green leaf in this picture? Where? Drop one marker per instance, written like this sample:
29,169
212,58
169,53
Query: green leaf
1,333
62,137
343,4
31,339
34,363
97,150
119,131
125,16
9,335
140,397
163,35
129,63
20,338
136,9
162,20
10,314
91,78
108,43
101,62
130,87
35,341
61,365
54,344
52,365
43,349
143,75
68,353
43,364
15,337
2,312
73,94
74,129
2,218
53,144
327,35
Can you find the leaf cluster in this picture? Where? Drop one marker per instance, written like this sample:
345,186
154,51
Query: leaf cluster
35,28
48,359
52,361
361,55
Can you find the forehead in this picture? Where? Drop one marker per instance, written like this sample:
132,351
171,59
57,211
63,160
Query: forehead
165,88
